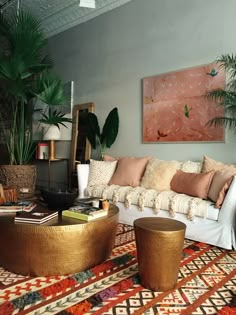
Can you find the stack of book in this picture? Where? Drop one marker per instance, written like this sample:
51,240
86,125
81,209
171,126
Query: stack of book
85,213
35,216
18,206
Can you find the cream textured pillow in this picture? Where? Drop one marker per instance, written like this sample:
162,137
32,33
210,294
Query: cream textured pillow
129,171
218,189
159,173
191,167
192,184
209,164
100,172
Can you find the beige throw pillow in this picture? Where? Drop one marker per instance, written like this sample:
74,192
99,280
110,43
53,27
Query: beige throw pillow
192,184
159,173
100,172
129,171
209,164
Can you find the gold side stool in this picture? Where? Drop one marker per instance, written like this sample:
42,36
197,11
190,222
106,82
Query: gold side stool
159,243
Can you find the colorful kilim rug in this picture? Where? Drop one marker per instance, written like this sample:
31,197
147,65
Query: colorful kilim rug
206,285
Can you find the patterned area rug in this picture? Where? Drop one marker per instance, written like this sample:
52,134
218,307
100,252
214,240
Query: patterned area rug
206,285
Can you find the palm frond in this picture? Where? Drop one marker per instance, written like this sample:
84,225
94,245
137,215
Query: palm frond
55,118
223,121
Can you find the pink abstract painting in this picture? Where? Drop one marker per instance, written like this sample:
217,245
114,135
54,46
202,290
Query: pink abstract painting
175,107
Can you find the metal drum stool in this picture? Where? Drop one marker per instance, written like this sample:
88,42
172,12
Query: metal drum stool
159,244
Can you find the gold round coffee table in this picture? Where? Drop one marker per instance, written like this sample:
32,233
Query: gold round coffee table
62,246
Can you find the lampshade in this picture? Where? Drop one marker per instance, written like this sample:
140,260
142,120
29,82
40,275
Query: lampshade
52,133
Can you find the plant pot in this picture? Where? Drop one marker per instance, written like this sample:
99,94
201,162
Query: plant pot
21,177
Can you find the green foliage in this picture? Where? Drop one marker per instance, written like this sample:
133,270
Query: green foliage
26,76
226,97
107,137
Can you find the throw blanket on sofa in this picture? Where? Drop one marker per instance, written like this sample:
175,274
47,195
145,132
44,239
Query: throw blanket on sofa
142,197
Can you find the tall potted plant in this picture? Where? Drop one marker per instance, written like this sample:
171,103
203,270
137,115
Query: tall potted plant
227,96
102,140
26,76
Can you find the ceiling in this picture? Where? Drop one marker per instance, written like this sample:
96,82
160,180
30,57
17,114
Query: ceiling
59,15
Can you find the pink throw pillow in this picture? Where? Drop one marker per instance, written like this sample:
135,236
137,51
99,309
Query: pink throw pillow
109,158
193,184
129,171
222,193
220,185
219,179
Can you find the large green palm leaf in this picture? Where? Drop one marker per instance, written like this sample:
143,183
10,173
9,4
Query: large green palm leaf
92,130
25,76
110,128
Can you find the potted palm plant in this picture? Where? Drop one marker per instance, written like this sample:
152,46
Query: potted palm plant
102,140
26,77
227,96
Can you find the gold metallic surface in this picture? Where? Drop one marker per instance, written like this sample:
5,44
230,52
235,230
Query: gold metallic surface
159,244
65,246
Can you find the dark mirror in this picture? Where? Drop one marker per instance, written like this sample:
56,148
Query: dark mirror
80,146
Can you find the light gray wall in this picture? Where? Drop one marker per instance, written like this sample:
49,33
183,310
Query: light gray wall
107,57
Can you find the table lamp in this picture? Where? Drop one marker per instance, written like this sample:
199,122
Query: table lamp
52,133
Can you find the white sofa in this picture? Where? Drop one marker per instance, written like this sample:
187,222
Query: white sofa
206,223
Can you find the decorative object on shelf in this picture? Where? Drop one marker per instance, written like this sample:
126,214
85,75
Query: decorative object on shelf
58,199
52,133
175,108
42,152
226,95
102,140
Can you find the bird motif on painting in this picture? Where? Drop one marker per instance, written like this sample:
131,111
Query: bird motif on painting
187,111
213,72
161,134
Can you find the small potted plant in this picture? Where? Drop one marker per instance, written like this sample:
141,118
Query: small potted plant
102,140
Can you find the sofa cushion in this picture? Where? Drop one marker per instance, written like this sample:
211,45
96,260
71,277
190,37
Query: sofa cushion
219,186
108,158
129,171
192,184
100,172
191,166
158,174
209,164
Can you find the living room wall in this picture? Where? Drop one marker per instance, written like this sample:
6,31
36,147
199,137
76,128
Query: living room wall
108,56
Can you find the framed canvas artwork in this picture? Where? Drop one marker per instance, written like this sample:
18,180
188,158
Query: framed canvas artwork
175,107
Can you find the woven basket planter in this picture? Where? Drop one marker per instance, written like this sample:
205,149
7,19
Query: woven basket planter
19,176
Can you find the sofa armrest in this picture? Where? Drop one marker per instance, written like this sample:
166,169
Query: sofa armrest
228,208
82,175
